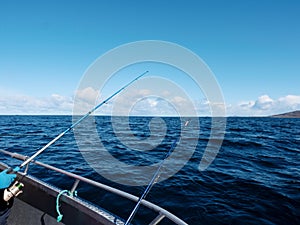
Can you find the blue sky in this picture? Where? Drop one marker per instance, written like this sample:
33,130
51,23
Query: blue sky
253,48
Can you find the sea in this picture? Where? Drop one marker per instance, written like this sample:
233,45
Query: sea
254,179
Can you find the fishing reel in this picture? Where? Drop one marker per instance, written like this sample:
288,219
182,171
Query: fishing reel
13,191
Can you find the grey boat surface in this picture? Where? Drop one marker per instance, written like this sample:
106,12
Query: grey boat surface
37,204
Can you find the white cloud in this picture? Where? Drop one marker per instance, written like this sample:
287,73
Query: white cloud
290,100
84,100
88,95
152,102
265,105
28,105
264,102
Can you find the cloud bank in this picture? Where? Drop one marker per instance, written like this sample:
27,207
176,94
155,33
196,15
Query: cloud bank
28,105
63,105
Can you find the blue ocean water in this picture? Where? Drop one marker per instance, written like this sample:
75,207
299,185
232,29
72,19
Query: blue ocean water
253,180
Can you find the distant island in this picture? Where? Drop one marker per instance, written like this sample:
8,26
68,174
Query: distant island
294,114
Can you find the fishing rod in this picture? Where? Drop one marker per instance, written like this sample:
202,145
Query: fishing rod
154,178
73,125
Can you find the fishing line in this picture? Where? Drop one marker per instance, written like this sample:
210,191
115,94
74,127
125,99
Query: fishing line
154,178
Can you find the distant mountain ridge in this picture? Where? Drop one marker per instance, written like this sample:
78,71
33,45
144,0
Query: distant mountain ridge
294,114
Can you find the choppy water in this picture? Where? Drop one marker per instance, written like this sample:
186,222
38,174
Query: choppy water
253,180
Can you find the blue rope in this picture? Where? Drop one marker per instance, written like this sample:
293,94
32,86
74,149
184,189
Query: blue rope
60,215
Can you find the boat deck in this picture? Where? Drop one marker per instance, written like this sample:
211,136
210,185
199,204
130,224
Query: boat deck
24,214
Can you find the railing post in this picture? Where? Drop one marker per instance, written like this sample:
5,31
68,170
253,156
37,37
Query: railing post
157,219
74,187
26,169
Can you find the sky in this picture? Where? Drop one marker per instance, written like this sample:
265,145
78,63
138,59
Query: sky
252,48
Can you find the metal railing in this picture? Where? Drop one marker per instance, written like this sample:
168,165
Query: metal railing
162,213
